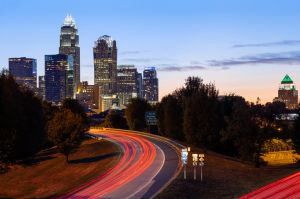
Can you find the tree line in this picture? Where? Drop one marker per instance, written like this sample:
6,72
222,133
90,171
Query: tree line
28,124
227,124
230,125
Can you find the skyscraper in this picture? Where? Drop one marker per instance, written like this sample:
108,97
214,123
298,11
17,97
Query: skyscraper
150,85
105,64
69,45
42,87
288,93
58,77
139,85
24,71
127,85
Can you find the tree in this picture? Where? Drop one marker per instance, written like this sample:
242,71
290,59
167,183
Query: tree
201,119
66,131
22,131
170,117
238,133
75,107
296,133
135,114
115,120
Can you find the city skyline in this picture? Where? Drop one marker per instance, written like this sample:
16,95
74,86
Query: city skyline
247,55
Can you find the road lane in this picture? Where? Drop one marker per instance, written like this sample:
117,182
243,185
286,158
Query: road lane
147,164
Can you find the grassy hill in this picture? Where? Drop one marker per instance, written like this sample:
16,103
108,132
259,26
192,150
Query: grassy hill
49,175
225,177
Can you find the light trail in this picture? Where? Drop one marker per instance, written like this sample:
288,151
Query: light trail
138,154
288,187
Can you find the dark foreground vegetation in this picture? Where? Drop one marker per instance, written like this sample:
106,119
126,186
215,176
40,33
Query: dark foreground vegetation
28,124
228,124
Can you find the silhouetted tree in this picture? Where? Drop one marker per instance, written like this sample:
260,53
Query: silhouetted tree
21,121
135,113
115,120
170,117
201,113
66,131
75,107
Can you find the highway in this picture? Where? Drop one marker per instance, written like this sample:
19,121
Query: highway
286,188
147,164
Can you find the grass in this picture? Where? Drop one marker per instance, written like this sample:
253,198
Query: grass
49,175
224,177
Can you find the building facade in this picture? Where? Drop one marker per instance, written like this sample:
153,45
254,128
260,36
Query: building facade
150,85
24,71
109,102
139,85
287,93
105,65
41,88
59,79
127,83
89,96
69,45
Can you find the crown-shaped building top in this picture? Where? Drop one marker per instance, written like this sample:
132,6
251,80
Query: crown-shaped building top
287,80
69,21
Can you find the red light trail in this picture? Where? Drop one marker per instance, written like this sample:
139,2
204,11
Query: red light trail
288,187
138,155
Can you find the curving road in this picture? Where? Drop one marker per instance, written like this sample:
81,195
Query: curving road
147,164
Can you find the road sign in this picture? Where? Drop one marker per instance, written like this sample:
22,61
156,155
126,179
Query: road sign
184,156
150,117
195,157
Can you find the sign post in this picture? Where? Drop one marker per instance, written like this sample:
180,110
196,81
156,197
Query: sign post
195,162
184,159
201,164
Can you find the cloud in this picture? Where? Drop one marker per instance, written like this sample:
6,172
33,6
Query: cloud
145,60
270,44
132,52
180,68
284,58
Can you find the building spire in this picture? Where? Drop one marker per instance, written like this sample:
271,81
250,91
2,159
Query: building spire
69,21
287,80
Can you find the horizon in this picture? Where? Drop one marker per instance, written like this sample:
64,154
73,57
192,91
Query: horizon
244,48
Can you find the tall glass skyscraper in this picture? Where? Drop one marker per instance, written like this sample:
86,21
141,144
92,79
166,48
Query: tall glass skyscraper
69,45
127,83
24,71
150,85
59,77
105,64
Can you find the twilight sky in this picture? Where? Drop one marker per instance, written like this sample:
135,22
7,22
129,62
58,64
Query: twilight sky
244,47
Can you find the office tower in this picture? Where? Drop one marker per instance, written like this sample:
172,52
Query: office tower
42,87
59,77
89,96
150,85
24,71
287,93
127,85
105,64
69,45
139,85
109,102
